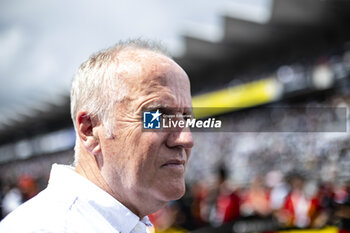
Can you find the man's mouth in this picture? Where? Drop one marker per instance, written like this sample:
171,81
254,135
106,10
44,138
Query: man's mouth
175,163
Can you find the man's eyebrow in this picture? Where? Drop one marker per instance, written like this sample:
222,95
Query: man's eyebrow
155,105
162,106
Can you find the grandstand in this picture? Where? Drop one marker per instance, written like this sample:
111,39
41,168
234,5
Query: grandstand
298,51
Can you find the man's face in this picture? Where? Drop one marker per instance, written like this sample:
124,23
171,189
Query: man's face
143,167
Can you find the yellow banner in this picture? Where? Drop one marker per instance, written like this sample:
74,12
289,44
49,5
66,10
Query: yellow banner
328,229
237,97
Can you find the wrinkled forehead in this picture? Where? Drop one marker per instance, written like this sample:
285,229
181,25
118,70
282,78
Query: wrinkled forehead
144,64
149,74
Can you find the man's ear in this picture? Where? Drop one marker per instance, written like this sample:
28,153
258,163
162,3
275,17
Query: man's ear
86,129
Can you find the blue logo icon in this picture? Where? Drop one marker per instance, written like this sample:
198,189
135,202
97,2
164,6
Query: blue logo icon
151,120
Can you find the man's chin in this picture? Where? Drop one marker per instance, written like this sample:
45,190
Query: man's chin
173,192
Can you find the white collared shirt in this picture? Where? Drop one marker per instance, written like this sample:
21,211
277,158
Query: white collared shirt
73,204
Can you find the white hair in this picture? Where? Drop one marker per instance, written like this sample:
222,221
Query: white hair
97,88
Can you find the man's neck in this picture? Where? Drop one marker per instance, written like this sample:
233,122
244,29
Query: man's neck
87,166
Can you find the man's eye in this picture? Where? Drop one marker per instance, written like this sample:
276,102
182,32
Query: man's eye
187,116
163,111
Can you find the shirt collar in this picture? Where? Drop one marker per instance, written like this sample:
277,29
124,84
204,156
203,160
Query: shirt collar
120,217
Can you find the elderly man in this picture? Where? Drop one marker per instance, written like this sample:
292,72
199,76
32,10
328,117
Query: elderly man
122,172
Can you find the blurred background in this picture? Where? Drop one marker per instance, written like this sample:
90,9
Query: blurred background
241,56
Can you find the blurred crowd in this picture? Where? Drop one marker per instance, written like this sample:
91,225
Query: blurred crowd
14,194
272,200
21,180
277,201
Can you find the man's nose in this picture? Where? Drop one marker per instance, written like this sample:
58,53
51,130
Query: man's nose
182,138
